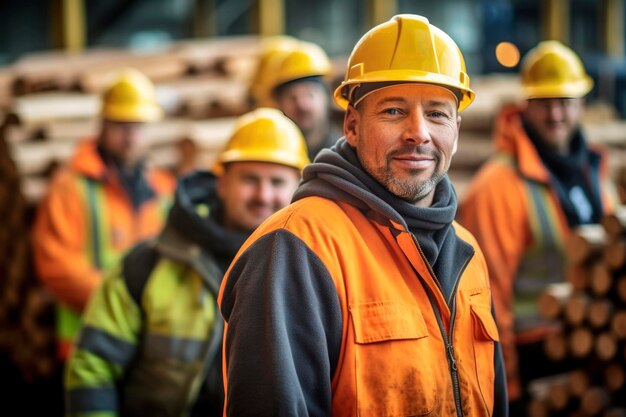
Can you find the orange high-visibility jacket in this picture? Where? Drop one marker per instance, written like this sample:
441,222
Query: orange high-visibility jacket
343,316
517,219
86,223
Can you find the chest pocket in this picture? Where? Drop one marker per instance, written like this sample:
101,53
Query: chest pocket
393,360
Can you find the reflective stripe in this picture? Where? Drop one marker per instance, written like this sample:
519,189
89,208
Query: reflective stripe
85,400
163,347
68,323
96,250
105,345
544,230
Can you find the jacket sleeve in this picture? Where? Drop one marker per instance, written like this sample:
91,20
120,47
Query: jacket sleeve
495,213
60,250
105,346
283,332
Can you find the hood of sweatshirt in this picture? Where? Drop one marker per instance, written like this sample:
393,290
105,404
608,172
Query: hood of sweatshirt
337,174
197,215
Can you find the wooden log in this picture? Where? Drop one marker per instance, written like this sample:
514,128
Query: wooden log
157,67
599,313
614,377
585,243
618,325
552,301
473,150
601,279
581,342
58,70
615,224
206,55
578,382
558,396
594,401
579,276
538,408
620,289
555,347
615,254
606,346
37,108
576,309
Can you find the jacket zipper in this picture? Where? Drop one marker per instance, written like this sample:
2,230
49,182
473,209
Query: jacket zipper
454,373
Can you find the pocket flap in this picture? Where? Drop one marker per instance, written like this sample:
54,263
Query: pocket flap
484,325
381,320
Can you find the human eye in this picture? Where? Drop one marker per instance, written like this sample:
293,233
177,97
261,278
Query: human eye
438,114
391,111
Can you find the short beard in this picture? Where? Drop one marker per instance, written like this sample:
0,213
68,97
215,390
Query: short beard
407,190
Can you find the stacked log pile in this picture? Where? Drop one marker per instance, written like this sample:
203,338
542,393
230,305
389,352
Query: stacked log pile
26,313
591,310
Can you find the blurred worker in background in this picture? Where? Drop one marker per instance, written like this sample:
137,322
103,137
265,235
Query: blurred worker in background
150,344
543,181
294,77
104,202
364,297
259,94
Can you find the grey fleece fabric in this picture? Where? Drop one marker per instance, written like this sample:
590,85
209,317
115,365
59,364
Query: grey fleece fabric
338,175
280,298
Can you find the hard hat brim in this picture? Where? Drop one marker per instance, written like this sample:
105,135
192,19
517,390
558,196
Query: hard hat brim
132,113
577,89
404,76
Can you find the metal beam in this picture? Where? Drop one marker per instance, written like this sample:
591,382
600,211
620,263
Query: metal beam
555,20
612,27
380,11
271,17
73,25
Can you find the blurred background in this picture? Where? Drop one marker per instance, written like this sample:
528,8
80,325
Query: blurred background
57,56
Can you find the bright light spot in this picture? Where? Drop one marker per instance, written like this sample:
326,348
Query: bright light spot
507,54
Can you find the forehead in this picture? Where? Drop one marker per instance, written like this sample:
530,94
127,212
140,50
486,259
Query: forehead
259,169
411,92
300,87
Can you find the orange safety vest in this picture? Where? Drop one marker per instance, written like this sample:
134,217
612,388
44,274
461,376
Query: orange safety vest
403,350
84,225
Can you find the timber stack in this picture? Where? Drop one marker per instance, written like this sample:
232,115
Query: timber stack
590,308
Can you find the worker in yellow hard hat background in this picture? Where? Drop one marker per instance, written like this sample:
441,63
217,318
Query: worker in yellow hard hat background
101,204
160,355
364,297
294,79
544,180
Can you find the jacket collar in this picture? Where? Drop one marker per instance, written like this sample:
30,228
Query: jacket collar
87,161
511,138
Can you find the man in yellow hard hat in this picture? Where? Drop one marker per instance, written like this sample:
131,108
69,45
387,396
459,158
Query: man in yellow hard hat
543,181
151,336
101,204
364,297
298,85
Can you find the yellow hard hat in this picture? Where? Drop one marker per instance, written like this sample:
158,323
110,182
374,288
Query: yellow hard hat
552,70
272,49
406,48
131,98
265,135
306,60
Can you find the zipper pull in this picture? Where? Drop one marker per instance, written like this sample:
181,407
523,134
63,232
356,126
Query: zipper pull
451,355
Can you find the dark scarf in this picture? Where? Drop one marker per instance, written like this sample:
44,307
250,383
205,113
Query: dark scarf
133,179
575,177
193,190
337,174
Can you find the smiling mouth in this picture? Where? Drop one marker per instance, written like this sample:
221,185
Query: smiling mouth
414,161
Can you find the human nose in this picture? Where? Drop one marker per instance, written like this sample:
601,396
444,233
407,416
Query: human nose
264,191
417,131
